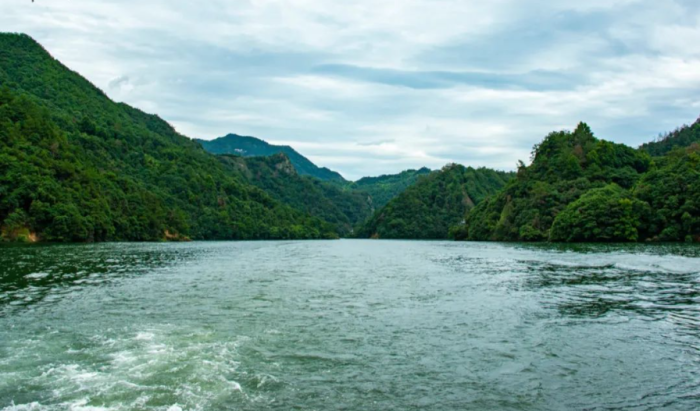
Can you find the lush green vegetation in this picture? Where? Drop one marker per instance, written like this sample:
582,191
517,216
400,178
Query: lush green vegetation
682,137
579,188
254,147
380,189
672,191
278,177
609,213
75,166
437,201
318,191
384,188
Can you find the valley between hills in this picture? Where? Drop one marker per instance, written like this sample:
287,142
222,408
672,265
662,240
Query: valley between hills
77,167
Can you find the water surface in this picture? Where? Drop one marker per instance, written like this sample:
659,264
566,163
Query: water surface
349,325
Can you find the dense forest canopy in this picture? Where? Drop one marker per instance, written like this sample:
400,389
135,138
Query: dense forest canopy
277,176
385,187
75,166
377,190
580,188
437,201
682,137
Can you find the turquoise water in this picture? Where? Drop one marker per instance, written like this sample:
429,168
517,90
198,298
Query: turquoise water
349,325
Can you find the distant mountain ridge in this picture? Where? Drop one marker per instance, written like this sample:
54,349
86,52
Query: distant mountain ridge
247,146
331,202
384,188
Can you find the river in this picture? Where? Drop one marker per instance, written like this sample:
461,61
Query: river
349,325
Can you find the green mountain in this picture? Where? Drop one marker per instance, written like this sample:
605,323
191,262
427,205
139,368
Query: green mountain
384,188
681,137
254,147
580,188
671,189
437,201
75,166
317,191
277,175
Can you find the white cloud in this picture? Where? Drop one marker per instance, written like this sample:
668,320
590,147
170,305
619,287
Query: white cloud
631,68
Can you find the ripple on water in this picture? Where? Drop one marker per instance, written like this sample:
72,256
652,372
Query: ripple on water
349,325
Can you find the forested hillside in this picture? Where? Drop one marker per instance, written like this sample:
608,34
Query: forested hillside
276,175
384,188
437,201
255,147
319,191
681,137
75,166
381,189
580,188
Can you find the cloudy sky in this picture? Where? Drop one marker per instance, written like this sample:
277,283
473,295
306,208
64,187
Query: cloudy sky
369,87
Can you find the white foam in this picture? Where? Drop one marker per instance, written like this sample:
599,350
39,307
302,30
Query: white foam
33,406
84,376
144,336
122,357
235,386
631,262
36,276
81,405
